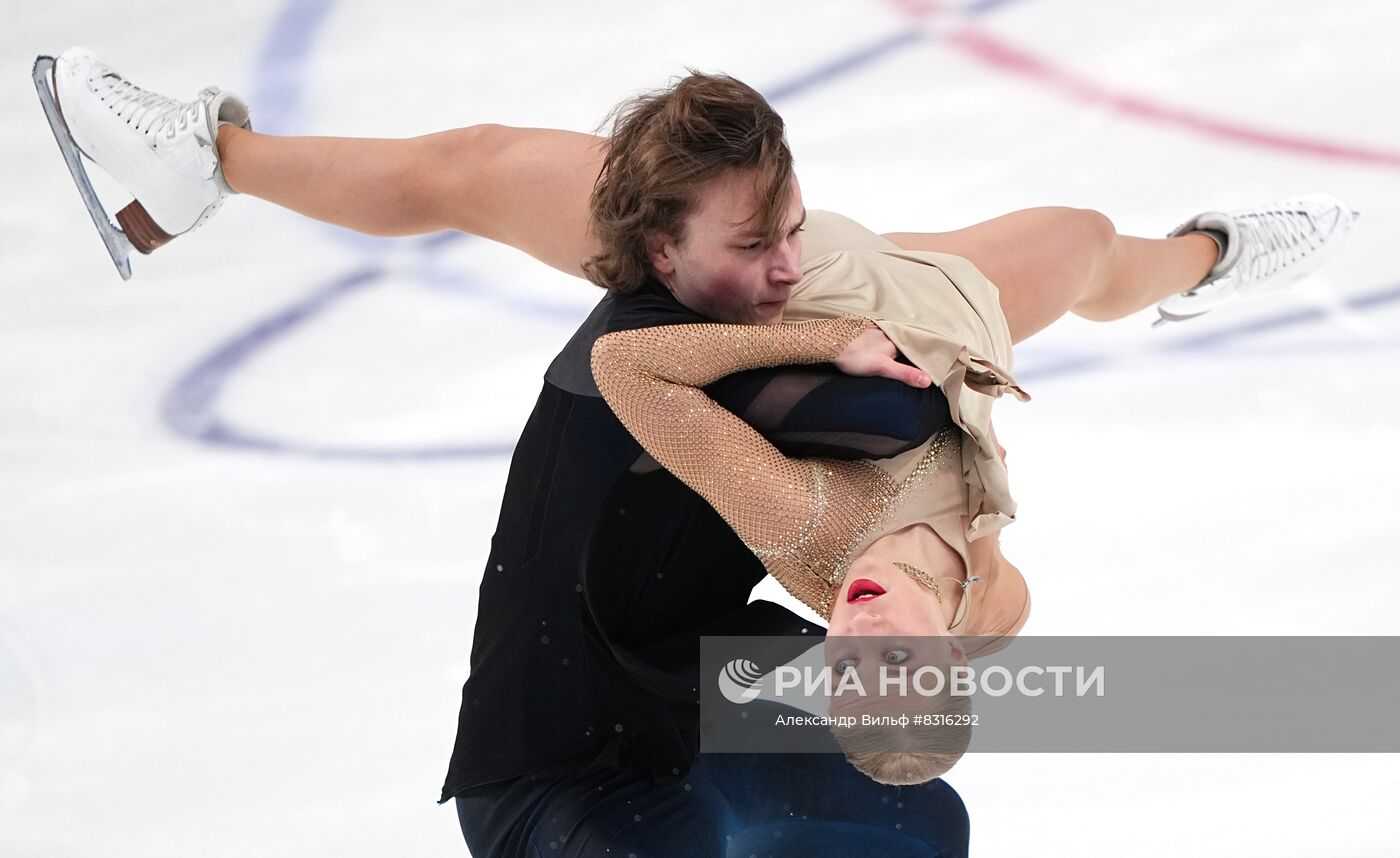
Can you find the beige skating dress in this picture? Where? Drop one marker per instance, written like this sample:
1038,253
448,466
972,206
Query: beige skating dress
808,519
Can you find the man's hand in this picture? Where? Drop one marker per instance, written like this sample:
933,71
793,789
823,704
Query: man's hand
872,354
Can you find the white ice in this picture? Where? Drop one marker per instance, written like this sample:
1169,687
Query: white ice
216,651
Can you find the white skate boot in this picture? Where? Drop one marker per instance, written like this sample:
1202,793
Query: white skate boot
161,150
1262,250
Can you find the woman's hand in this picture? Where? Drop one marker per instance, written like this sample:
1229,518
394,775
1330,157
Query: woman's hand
872,354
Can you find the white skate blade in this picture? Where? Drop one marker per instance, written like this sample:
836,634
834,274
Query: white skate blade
116,241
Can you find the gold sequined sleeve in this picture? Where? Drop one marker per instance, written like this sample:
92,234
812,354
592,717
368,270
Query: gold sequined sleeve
650,378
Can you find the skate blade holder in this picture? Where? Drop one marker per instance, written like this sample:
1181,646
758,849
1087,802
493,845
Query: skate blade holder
138,224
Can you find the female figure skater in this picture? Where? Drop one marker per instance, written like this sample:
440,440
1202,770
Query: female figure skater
879,547
728,241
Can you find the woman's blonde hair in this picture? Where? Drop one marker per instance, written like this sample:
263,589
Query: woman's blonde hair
928,747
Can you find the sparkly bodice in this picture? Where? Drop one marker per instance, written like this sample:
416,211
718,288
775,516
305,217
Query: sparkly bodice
805,519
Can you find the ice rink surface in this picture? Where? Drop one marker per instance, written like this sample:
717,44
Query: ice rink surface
248,494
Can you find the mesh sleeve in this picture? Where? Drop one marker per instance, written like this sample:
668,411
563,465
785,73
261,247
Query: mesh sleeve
650,377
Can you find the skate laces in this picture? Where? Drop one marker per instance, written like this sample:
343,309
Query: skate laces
1277,239
151,112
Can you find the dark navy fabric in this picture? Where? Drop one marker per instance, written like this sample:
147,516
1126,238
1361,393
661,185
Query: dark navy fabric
741,805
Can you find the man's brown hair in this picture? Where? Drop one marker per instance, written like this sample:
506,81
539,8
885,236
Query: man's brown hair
664,146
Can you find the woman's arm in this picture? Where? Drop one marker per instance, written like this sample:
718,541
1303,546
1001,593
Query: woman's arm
650,378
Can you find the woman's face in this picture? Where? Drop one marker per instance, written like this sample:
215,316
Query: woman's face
896,633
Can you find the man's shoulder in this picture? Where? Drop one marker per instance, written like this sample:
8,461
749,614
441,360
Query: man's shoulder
648,307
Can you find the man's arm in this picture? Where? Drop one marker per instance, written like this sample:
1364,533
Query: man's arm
817,410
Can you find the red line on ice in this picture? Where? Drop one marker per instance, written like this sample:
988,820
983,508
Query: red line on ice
1009,58
1002,55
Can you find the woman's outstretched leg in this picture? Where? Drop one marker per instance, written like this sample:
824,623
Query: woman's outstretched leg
526,187
1047,262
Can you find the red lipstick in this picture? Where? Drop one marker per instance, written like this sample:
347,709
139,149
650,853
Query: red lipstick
863,590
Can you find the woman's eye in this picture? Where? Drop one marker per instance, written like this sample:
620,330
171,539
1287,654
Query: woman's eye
754,246
845,665
895,656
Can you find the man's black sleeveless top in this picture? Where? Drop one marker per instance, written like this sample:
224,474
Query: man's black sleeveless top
600,582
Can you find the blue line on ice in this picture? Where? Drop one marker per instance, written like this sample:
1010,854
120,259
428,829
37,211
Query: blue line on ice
190,408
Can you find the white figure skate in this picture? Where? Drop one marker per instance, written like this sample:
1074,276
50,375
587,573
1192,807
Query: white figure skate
161,150
1265,249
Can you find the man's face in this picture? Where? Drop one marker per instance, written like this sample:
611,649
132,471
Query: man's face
721,267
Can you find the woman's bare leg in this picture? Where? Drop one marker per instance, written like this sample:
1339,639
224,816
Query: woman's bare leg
1047,262
526,187
529,188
